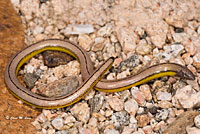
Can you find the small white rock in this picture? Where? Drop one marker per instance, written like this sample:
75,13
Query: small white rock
29,69
41,118
81,111
145,89
93,122
69,119
163,96
116,103
37,30
162,115
177,49
138,96
143,48
128,130
123,74
99,44
192,130
85,41
132,119
105,31
110,131
37,125
186,96
131,106
197,121
127,38
78,29
58,123
179,37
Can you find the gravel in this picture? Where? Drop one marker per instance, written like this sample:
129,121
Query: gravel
137,34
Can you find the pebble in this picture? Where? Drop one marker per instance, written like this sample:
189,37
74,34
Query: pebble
113,38
46,125
170,52
58,132
120,118
127,130
165,104
186,96
71,69
93,122
123,74
36,124
179,37
48,114
157,32
100,28
140,110
132,119
195,44
130,63
59,87
146,59
40,37
188,60
151,109
162,115
78,29
108,113
38,30
153,123
170,120
29,69
116,103
164,96
124,95
138,95
145,89
69,119
90,95
197,121
159,126
109,50
193,130
174,21
105,31
176,49
73,130
143,49
97,102
85,41
196,59
110,131
58,123
177,61
178,112
30,79
89,130
99,44
147,129
193,83
41,118
81,111
142,120
127,38
131,106
44,131
99,116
